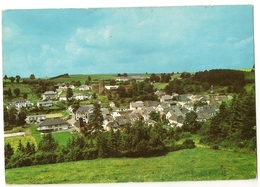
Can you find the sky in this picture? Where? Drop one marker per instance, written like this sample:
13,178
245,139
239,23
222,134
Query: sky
50,42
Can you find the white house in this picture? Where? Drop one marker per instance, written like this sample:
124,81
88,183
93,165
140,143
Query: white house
35,119
81,97
136,105
84,88
44,104
49,95
20,104
165,98
53,125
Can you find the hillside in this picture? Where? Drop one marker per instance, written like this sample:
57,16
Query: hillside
184,165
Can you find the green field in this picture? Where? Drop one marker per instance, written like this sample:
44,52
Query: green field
184,165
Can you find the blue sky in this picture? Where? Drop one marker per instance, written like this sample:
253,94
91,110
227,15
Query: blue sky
49,42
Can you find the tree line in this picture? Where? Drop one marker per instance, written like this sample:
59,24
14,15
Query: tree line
135,140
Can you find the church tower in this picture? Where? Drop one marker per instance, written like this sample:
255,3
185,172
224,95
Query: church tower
212,96
101,86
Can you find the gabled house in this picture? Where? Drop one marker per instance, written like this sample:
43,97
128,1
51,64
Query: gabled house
136,105
44,104
81,97
49,95
61,86
112,104
35,119
166,98
84,88
176,120
52,125
111,88
83,112
209,110
19,104
162,108
152,104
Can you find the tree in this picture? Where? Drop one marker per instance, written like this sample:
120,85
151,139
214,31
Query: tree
17,92
69,94
32,76
95,121
17,78
48,143
185,75
11,79
25,95
89,79
112,82
21,117
5,77
12,116
155,116
190,124
8,151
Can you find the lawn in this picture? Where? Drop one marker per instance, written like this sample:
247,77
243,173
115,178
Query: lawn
61,137
184,165
14,141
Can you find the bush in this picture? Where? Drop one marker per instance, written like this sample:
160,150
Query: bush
215,147
188,144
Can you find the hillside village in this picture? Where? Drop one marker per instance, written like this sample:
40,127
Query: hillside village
170,107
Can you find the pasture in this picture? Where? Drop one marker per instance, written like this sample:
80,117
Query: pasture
185,165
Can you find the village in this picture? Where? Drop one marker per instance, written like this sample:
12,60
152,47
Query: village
170,107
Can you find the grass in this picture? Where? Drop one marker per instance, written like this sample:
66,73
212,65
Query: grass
160,86
184,165
14,141
61,137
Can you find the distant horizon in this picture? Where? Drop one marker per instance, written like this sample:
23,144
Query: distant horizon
142,73
49,42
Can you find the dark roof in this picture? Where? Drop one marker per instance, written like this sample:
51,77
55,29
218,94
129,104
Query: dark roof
49,122
151,103
84,109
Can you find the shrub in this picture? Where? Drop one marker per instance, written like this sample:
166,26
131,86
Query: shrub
188,144
215,147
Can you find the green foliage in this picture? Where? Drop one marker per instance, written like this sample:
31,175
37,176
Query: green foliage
48,143
235,123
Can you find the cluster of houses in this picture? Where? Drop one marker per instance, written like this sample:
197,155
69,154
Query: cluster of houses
174,107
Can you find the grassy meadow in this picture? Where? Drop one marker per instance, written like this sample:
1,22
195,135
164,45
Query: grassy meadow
185,165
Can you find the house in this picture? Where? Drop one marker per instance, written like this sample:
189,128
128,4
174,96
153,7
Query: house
111,125
61,86
83,112
49,95
136,105
183,99
112,104
44,104
111,88
176,120
35,119
72,87
53,125
121,121
202,116
122,79
159,93
165,98
209,110
163,107
84,88
19,104
62,98
152,104
81,97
